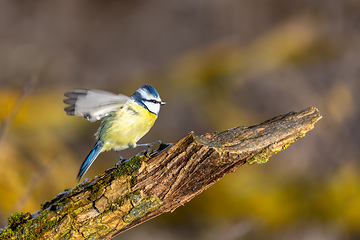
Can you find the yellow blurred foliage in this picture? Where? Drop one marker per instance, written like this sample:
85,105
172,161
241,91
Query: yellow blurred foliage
33,151
281,200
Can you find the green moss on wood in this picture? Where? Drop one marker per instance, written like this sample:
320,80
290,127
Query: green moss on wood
17,218
132,165
6,233
21,226
143,206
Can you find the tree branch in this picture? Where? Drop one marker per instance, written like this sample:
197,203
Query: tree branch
143,188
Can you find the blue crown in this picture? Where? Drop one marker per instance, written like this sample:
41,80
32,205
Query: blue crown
150,89
147,88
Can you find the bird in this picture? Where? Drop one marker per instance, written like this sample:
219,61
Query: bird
125,119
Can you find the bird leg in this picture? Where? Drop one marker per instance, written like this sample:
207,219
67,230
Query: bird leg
122,160
149,145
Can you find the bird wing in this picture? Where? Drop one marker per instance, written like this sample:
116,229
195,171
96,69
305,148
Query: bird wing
93,104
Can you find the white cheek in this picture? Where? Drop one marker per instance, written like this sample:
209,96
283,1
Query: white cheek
153,107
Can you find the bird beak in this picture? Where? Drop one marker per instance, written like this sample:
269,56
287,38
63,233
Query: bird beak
162,103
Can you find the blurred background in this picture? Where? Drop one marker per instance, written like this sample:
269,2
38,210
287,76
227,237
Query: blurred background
218,65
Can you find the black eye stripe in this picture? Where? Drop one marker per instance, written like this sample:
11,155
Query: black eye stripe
152,100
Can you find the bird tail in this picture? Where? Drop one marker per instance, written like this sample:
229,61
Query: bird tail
90,158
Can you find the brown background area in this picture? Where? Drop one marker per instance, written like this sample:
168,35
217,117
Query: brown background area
217,64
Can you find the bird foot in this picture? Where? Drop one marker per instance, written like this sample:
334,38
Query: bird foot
122,160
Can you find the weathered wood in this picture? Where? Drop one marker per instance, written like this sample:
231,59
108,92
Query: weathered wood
123,197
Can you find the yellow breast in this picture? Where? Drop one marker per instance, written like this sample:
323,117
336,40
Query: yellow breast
123,128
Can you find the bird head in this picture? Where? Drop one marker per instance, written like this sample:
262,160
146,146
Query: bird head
149,98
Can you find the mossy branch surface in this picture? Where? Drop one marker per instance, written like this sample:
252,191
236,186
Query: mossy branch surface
125,196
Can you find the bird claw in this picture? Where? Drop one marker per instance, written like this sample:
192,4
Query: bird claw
122,160
149,150
147,153
149,145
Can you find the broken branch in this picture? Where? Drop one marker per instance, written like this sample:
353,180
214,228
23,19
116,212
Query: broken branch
125,196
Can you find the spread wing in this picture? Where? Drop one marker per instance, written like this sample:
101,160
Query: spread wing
93,104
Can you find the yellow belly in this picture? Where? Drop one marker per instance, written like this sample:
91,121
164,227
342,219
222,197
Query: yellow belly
123,128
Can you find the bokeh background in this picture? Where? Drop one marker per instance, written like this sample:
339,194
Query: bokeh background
217,64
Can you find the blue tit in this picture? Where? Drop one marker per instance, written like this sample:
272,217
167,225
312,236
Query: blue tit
126,119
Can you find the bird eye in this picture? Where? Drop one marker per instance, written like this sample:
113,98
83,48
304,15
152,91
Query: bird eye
152,101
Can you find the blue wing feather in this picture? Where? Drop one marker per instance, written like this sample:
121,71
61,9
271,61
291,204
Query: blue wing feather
90,158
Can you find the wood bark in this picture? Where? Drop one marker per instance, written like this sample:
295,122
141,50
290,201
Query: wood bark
143,188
